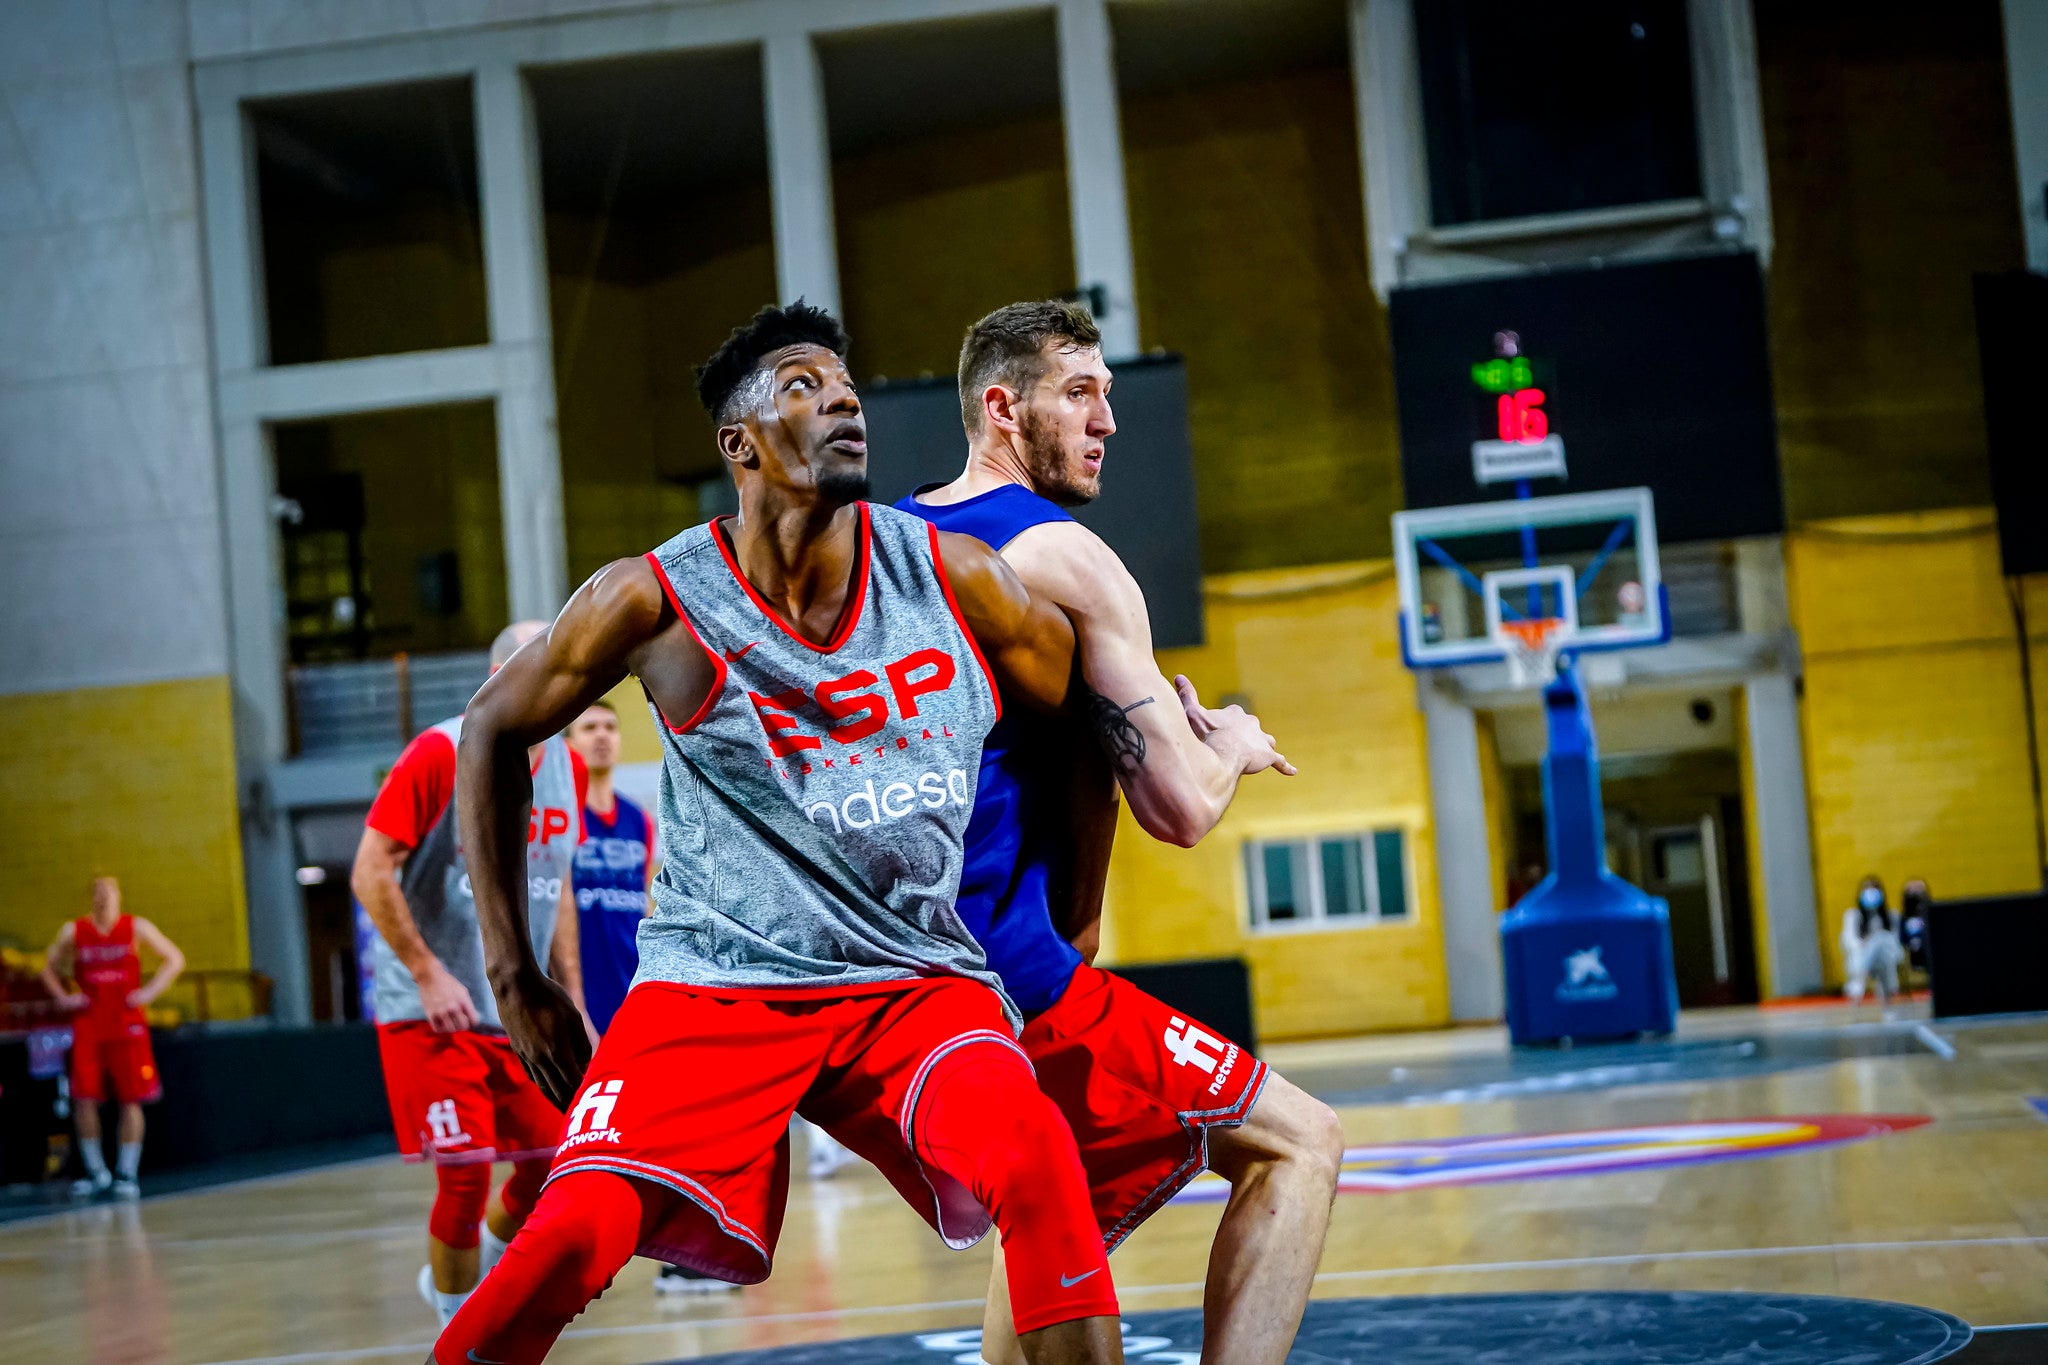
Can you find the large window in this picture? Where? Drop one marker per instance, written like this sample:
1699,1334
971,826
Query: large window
371,233
1542,109
654,175
1327,880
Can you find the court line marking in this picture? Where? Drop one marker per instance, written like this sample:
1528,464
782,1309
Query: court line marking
58,1212
633,1329
1938,1045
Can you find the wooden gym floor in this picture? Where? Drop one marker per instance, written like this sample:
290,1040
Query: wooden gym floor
319,1267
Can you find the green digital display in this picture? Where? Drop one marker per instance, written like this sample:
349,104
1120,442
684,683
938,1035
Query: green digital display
1504,376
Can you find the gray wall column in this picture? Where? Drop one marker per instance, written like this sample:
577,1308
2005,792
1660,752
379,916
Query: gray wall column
276,909
800,172
252,570
1784,852
1464,871
1387,90
2026,68
1095,171
516,277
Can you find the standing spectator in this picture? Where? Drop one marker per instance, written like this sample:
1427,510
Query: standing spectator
1914,905
110,1036
1870,943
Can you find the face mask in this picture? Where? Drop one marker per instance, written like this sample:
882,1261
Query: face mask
1870,898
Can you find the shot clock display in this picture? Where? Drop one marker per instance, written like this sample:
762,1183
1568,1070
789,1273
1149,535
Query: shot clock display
1654,373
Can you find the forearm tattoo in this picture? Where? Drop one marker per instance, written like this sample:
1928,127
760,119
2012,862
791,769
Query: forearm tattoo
1115,732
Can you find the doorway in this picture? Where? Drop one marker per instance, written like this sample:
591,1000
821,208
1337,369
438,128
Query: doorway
1675,829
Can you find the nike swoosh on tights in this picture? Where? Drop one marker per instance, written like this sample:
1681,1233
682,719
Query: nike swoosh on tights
733,657
1066,1283
479,1360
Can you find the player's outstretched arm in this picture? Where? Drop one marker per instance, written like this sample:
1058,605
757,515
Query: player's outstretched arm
602,635
1178,762
1027,640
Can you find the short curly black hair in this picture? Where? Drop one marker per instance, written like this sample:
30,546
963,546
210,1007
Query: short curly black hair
771,329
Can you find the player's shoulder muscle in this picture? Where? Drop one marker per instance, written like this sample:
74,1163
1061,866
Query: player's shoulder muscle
1075,567
626,599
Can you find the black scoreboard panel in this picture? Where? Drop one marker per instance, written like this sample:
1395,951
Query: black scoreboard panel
1147,508
2010,310
1655,373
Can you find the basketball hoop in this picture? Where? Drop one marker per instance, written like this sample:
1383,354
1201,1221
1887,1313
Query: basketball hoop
1532,647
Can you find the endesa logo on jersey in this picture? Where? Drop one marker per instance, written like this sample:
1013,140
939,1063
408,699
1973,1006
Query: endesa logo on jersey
848,712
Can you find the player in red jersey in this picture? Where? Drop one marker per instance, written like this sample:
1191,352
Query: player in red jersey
110,1037
458,1095
824,671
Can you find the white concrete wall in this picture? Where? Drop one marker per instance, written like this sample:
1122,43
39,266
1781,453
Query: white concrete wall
240,28
110,552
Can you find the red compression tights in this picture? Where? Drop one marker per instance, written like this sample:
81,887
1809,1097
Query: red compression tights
583,1229
460,1193
983,1120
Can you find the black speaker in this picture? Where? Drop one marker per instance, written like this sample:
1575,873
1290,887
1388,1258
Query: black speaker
1985,956
1215,991
2012,310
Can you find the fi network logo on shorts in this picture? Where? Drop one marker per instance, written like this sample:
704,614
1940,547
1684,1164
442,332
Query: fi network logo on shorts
590,1120
445,1124
1190,1048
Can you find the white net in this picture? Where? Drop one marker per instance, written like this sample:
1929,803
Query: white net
1532,648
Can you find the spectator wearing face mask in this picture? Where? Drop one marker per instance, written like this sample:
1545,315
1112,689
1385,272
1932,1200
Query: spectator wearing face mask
1915,903
1870,943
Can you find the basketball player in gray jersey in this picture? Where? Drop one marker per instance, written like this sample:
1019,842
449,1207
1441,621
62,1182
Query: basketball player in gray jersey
822,672
458,1097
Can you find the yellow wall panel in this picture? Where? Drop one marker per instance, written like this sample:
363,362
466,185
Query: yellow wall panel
1914,713
135,781
1313,654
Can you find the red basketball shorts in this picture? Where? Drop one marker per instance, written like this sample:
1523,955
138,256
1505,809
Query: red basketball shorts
461,1097
692,1089
125,1060
1141,1086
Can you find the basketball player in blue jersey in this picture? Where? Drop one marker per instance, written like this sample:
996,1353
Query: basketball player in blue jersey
614,866
1152,1096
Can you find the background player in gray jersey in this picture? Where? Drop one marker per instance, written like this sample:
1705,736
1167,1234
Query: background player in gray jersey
868,1009
458,1097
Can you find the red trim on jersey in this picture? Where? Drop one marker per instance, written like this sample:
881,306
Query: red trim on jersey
946,586
668,590
849,616
581,772
417,790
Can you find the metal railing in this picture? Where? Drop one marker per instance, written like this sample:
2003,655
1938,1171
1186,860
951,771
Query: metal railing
376,703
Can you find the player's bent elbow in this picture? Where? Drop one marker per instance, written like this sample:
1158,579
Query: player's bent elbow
1173,819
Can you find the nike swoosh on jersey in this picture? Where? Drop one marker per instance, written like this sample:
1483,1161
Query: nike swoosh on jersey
1066,1283
734,656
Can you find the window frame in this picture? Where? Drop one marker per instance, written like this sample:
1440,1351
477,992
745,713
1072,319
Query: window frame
1252,852
1404,246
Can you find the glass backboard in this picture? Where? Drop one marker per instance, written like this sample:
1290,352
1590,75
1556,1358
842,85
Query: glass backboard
1468,574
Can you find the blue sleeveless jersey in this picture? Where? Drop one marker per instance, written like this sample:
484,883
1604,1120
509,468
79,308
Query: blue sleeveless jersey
611,899
1012,858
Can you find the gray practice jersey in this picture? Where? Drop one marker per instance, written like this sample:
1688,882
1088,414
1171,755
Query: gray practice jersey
812,811
435,880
